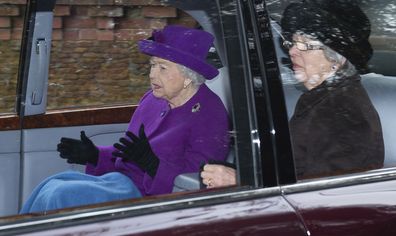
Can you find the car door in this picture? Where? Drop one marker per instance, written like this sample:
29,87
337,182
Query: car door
255,206
362,203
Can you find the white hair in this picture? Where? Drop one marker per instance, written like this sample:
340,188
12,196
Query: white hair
346,68
196,78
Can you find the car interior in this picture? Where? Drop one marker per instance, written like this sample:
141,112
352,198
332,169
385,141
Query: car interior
380,84
36,151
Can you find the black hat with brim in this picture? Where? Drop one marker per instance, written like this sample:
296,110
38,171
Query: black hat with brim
339,24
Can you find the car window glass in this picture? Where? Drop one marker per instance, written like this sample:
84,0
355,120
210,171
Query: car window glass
11,24
95,61
94,56
379,81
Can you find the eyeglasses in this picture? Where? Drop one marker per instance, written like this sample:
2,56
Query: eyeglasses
302,46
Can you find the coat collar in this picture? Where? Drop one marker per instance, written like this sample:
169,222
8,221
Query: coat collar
311,98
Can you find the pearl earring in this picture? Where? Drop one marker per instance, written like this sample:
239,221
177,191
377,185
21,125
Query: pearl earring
334,67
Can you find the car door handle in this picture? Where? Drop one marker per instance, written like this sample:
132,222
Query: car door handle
41,51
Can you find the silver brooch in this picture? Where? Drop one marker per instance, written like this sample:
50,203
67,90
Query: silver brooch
196,107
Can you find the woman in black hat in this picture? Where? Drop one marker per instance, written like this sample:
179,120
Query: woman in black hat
335,128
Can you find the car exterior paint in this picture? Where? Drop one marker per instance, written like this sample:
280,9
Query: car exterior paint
265,214
356,207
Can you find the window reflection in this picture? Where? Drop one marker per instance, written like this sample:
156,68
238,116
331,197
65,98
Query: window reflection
379,81
11,24
94,53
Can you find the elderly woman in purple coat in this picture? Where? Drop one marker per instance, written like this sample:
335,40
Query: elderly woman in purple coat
178,124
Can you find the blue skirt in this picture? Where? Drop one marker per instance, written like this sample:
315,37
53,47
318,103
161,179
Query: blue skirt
71,189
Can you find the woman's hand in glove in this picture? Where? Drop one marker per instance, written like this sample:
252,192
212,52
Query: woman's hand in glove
138,150
78,151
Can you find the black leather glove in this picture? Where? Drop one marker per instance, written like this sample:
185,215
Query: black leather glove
139,151
78,151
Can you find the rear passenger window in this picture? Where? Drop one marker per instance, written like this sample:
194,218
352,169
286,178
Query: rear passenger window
379,82
11,24
95,61
94,56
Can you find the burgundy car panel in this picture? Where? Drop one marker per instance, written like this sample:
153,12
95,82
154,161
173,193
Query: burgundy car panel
262,216
364,209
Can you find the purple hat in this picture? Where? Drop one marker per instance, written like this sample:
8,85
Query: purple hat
185,46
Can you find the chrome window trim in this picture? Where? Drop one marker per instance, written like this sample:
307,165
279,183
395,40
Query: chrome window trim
341,181
220,197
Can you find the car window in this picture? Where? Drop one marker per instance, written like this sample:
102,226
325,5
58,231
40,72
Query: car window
94,52
379,81
94,58
11,24
94,62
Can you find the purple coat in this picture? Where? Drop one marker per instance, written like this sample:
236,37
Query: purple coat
182,138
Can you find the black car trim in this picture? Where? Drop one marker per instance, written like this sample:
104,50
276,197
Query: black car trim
24,56
275,145
272,76
261,98
45,5
244,114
